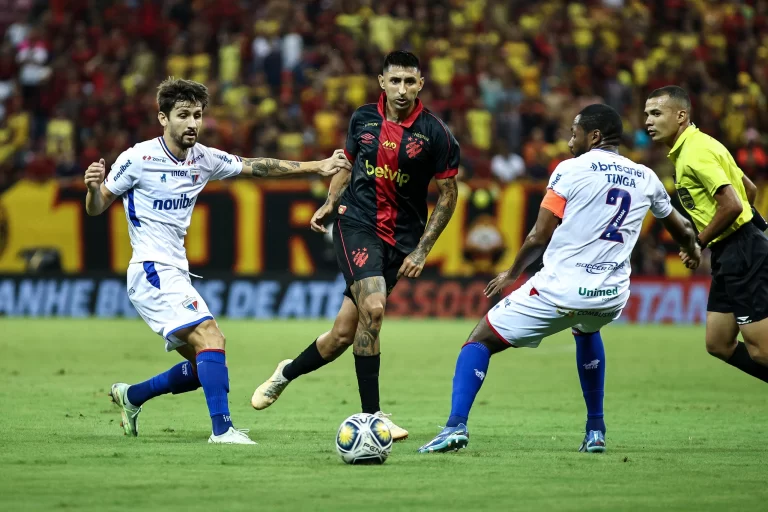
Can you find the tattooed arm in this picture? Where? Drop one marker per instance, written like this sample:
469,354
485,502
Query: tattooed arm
322,216
446,204
263,167
273,168
339,184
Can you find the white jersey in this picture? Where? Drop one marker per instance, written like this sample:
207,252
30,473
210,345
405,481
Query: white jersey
607,196
159,192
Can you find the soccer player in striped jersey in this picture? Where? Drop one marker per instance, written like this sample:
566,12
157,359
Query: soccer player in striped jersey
381,232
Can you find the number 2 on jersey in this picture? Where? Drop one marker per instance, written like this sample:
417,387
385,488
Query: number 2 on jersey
623,199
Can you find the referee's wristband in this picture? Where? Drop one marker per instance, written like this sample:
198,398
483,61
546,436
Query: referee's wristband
700,243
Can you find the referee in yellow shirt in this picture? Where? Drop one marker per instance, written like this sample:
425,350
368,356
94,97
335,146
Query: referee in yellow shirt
718,197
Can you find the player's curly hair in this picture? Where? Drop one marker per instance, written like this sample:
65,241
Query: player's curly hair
605,119
173,90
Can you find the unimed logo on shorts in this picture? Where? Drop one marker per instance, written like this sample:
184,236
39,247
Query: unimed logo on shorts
599,292
179,203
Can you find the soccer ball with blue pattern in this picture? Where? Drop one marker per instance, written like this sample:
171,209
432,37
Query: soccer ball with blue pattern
363,439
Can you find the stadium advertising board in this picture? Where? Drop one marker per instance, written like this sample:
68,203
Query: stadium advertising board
250,227
652,300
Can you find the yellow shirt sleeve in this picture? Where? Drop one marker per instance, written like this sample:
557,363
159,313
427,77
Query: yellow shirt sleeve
709,171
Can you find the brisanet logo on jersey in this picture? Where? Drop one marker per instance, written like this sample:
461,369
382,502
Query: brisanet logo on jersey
601,268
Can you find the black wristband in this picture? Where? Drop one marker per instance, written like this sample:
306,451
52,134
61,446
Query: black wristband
700,243
758,220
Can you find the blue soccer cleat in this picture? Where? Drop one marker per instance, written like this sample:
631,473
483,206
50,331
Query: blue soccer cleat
450,439
594,442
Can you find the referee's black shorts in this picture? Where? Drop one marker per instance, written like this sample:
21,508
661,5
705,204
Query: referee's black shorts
740,275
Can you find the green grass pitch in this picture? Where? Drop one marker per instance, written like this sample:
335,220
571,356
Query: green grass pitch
685,431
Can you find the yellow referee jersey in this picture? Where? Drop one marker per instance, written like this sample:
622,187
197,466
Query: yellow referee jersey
703,165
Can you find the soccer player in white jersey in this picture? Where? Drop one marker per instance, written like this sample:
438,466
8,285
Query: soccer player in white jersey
588,224
159,181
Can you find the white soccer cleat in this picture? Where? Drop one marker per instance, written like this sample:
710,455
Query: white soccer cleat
129,413
398,433
232,436
266,394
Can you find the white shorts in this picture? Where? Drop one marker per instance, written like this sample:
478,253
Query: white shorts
165,298
523,318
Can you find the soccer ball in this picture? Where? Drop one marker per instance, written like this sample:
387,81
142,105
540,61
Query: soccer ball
363,439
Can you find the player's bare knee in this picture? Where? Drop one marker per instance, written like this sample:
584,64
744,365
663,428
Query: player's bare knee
757,351
216,338
373,308
721,349
207,336
494,345
343,335
485,336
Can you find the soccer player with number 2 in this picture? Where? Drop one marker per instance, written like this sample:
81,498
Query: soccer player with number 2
588,224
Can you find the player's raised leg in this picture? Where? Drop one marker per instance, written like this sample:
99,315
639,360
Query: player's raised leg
180,378
471,370
755,336
590,362
209,345
327,347
722,330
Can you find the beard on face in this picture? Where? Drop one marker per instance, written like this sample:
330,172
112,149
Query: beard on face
182,142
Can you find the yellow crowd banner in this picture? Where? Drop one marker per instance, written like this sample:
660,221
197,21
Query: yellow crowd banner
249,227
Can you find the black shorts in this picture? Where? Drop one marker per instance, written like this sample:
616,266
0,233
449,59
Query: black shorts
360,253
740,275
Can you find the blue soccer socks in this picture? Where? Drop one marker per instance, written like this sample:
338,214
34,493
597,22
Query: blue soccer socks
214,377
471,368
590,361
179,379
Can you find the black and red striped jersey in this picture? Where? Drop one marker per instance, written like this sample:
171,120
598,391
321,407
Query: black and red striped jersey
393,165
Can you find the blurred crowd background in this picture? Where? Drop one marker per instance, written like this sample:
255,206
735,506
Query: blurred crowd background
78,77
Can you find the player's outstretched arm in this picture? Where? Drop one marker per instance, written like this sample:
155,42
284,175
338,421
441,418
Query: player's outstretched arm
274,168
441,215
534,246
339,184
682,232
99,197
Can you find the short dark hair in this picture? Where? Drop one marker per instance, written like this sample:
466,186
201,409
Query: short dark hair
401,59
675,93
604,118
174,90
